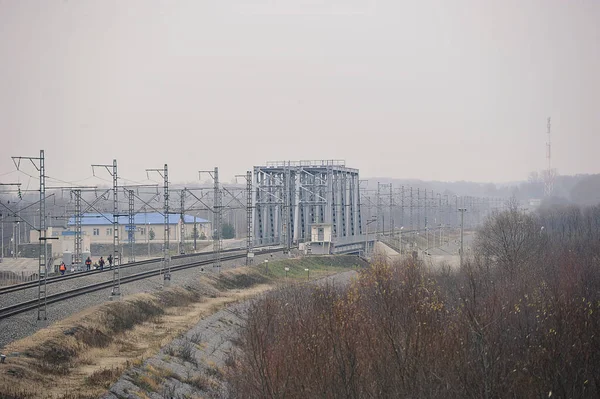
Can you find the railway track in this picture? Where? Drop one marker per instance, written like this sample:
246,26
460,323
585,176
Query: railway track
59,278
26,306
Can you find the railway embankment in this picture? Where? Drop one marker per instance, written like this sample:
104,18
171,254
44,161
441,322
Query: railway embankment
150,343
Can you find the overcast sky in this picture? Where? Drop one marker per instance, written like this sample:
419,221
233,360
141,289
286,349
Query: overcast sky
436,90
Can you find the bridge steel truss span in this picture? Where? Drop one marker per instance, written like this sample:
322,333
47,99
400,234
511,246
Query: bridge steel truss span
291,196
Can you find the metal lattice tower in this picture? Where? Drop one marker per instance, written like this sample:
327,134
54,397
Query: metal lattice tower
249,240
131,232
411,209
182,223
166,254
116,282
332,194
425,210
391,210
166,263
78,238
285,231
43,247
379,211
419,213
356,209
43,256
402,206
218,220
550,173
351,203
116,289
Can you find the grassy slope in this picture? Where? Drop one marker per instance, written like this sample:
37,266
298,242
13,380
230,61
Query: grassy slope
87,352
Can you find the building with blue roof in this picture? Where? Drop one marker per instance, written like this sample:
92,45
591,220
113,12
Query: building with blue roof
148,226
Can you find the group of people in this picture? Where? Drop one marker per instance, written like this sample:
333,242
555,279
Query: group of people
88,264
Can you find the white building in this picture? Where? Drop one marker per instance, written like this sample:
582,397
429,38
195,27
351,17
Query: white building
97,228
320,238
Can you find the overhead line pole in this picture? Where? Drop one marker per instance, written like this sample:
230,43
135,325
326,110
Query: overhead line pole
249,207
182,221
462,214
131,232
166,254
116,288
19,187
43,247
217,216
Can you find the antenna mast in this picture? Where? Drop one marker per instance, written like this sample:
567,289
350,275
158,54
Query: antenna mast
549,175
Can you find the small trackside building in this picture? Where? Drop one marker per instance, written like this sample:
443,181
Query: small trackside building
147,227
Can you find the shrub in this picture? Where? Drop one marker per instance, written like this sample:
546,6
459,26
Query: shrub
508,324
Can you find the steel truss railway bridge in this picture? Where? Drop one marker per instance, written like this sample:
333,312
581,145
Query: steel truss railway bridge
323,206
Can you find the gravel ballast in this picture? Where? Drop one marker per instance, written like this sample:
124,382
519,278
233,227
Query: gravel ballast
25,324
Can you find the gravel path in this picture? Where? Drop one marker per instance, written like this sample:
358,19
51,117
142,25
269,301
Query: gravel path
191,365
26,324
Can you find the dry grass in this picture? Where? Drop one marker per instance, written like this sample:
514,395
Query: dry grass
84,354
104,378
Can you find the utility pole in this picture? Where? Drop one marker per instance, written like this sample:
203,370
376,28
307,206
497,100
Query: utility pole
425,220
217,216
166,235
391,212
116,288
182,225
418,208
147,230
411,209
195,233
402,206
462,214
549,175
78,250
43,248
249,240
131,233
379,212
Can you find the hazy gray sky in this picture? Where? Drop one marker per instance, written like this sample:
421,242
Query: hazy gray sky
444,90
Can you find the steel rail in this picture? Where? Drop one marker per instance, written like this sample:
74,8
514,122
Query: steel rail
61,296
59,278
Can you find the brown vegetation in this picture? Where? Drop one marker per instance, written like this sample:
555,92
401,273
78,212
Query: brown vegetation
84,354
520,319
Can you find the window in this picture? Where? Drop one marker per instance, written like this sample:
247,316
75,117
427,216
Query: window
96,232
108,232
142,231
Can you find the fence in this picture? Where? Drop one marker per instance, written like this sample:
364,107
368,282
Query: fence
10,278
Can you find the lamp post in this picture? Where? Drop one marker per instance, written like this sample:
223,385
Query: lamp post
307,274
462,219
